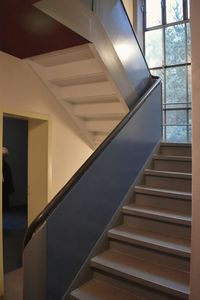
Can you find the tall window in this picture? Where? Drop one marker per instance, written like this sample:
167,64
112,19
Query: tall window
167,51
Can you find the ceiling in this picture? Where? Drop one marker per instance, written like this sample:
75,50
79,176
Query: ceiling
25,31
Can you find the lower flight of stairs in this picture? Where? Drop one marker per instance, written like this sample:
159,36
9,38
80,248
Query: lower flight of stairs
149,253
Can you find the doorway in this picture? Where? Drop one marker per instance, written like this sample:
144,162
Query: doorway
15,182
37,180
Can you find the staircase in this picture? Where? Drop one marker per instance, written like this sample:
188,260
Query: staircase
79,81
149,253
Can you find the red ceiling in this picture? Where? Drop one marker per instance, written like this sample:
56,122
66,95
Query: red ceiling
25,31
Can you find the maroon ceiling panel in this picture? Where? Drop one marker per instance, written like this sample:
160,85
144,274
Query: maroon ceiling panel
25,31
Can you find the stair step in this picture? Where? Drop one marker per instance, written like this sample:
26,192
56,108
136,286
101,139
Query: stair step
183,149
172,163
163,193
97,110
60,57
136,270
151,240
168,180
163,199
98,290
168,174
157,214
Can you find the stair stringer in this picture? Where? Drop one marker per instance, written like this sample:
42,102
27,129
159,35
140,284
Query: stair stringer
85,273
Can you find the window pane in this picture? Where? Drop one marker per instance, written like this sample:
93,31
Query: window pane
159,73
152,38
188,43
190,117
175,44
153,13
189,85
190,134
174,10
188,3
176,86
176,117
176,134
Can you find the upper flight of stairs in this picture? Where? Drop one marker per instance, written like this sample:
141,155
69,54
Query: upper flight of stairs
149,253
79,81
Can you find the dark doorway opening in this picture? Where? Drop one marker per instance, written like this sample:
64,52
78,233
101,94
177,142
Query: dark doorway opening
15,140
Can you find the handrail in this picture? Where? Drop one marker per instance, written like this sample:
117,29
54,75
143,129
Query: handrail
49,209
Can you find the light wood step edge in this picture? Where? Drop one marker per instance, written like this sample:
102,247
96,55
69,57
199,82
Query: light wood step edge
172,157
163,144
169,174
157,214
152,240
152,275
96,289
162,192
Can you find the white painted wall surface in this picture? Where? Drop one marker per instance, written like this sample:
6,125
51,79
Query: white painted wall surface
195,41
21,89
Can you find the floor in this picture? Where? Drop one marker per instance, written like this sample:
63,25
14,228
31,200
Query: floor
13,285
14,225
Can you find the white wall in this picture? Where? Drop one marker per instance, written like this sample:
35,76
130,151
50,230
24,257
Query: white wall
21,89
195,40
129,8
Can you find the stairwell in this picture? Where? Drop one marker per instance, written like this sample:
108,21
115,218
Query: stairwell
149,253
82,85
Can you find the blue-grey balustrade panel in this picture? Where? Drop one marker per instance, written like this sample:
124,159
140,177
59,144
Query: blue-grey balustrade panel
78,222
120,31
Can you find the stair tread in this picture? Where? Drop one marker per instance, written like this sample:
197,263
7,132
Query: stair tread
168,144
167,173
172,157
163,192
144,272
155,240
98,290
158,213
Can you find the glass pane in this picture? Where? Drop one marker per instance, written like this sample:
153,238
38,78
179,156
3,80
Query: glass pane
188,3
174,10
189,85
176,134
154,38
153,13
176,117
190,117
175,44
188,42
176,86
190,134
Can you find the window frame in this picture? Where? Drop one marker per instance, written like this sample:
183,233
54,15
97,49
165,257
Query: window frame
164,66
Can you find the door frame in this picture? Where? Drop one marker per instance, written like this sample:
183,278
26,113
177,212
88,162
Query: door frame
39,127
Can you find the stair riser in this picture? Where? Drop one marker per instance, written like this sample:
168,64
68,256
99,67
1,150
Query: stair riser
136,289
173,166
165,228
176,184
183,206
151,255
175,151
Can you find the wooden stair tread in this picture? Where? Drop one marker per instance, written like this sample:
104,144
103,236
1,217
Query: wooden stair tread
98,290
153,275
172,157
163,192
170,174
158,214
150,239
